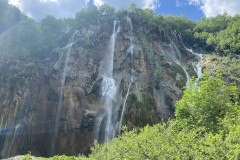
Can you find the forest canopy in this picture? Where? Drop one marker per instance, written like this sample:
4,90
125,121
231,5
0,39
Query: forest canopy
21,34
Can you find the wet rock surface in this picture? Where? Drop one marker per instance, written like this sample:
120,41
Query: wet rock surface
30,91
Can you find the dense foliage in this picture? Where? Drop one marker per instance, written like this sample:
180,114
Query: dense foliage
220,34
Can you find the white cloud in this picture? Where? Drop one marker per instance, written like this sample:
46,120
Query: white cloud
214,7
49,0
195,2
181,3
178,4
118,4
38,9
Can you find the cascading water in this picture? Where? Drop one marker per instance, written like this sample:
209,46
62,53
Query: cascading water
175,56
14,136
124,106
58,113
196,65
109,88
176,50
133,72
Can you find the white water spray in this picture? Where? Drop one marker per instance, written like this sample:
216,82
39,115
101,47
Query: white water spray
196,65
109,87
175,56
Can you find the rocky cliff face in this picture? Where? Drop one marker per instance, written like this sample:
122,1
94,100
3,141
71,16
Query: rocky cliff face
30,89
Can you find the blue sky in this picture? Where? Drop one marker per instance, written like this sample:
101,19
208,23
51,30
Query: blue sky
178,8
193,9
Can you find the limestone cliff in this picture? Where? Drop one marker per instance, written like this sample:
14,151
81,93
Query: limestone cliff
30,88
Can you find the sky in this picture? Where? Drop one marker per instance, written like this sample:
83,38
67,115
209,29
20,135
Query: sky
193,9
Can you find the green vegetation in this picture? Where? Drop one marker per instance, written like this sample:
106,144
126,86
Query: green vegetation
220,34
29,157
176,69
229,66
158,78
21,35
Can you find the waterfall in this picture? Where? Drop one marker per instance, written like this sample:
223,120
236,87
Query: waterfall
176,57
14,136
124,106
58,113
133,72
109,87
196,65
176,50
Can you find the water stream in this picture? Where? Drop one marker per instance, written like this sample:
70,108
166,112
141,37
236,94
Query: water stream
14,136
196,65
176,57
133,72
65,70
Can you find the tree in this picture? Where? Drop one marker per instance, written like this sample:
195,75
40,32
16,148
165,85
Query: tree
208,104
51,33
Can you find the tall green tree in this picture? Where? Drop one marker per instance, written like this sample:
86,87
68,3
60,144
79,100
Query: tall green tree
208,104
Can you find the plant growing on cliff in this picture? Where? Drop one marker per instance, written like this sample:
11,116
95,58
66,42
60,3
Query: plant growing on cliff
158,78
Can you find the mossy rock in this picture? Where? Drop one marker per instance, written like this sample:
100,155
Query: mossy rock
131,100
167,65
139,113
181,83
144,111
158,79
174,69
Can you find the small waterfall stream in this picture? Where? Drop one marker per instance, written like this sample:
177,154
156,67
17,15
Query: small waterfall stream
196,65
124,106
14,136
109,87
58,112
176,57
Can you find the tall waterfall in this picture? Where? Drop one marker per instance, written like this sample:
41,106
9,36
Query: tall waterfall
58,112
109,88
133,72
